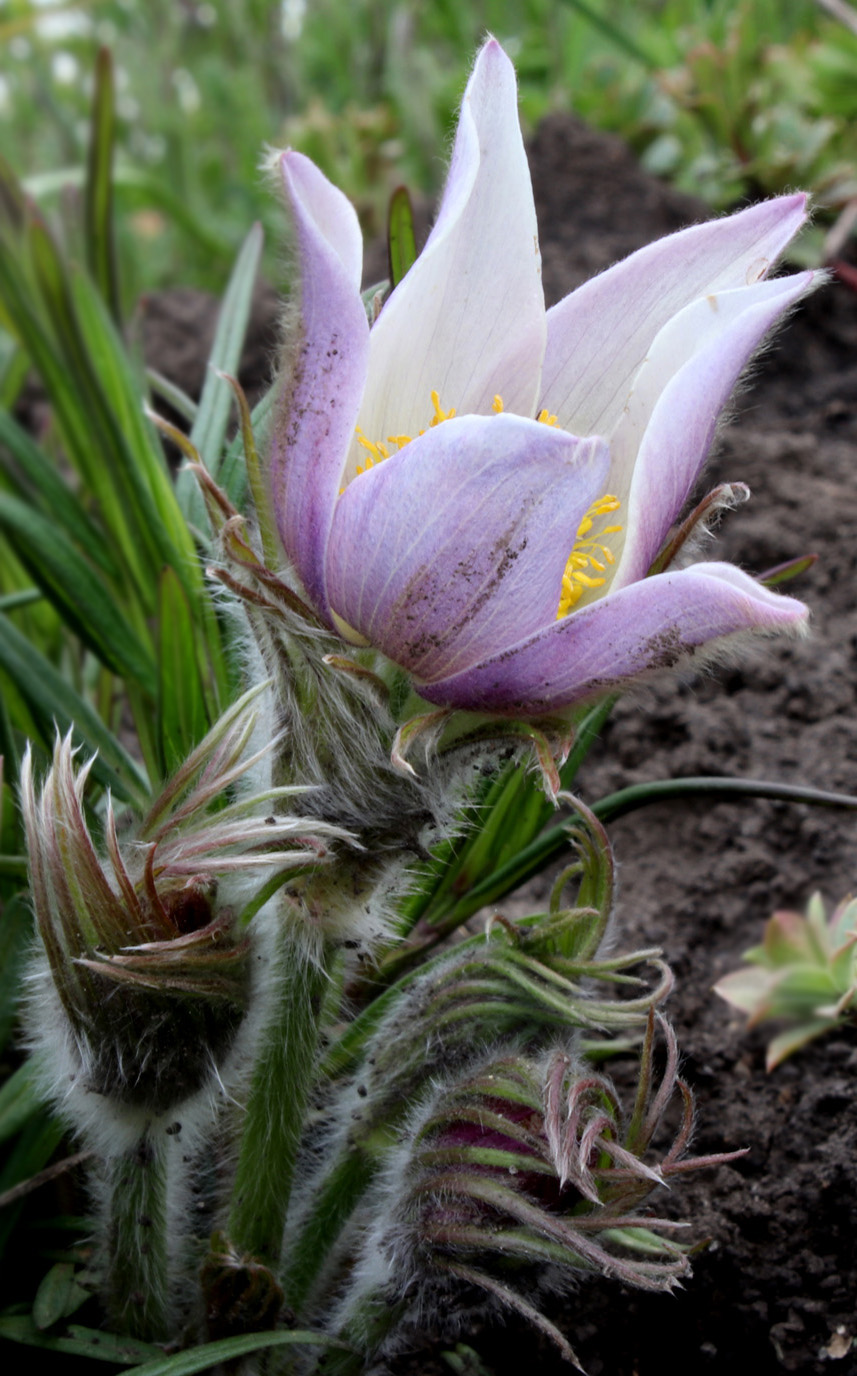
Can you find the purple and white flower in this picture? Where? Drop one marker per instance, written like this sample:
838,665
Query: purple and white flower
500,556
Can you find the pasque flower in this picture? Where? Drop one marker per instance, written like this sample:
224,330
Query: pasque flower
477,487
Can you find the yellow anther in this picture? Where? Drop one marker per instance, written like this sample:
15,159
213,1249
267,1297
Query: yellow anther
584,580
545,418
587,553
439,413
497,404
376,451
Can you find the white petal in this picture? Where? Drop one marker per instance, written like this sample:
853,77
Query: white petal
468,320
662,440
600,334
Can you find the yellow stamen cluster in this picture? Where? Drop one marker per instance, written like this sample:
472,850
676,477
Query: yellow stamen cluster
589,556
589,552
377,452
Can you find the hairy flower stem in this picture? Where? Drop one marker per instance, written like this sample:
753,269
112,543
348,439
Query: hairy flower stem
338,1195
276,1106
138,1279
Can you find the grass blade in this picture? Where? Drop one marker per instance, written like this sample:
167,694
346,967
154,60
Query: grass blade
209,429
98,195
19,1100
36,480
79,595
56,705
78,1342
182,715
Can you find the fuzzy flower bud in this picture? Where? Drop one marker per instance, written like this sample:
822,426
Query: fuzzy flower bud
148,959
521,1173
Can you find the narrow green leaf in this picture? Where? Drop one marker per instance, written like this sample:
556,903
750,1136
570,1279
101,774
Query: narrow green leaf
505,819
36,480
140,466
55,705
78,1342
233,476
90,1342
401,240
617,34
78,594
93,440
13,601
58,1296
25,320
92,395
784,573
227,1349
8,743
15,370
209,429
98,195
531,859
19,1100
134,188
715,786
13,208
171,393
182,716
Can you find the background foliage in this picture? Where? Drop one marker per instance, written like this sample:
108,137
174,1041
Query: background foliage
725,97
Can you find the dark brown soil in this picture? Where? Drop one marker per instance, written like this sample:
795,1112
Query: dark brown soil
775,1289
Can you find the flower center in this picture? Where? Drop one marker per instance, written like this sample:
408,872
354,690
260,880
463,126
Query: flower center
589,552
589,557
377,452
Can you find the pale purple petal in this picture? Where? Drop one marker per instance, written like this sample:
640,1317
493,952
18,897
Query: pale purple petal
468,320
652,625
324,370
600,334
456,546
667,427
